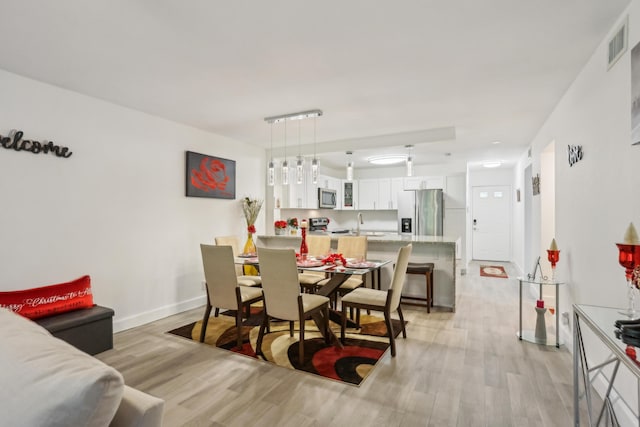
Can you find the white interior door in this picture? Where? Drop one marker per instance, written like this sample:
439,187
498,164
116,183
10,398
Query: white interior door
491,223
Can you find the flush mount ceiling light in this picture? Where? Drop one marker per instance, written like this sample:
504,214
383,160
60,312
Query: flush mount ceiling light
494,164
349,166
388,159
409,161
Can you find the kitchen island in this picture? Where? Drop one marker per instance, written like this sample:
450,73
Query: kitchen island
439,250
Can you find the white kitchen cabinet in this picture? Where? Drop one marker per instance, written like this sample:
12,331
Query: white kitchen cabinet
378,193
349,199
434,182
455,192
396,188
368,193
423,182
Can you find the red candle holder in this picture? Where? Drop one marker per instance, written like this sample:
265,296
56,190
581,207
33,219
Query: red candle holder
629,258
553,257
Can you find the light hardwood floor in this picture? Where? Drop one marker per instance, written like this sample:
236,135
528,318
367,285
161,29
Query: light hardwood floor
454,369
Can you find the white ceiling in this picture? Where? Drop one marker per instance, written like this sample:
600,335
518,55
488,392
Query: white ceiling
447,76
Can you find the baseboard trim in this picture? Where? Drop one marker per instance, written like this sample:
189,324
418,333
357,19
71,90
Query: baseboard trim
156,314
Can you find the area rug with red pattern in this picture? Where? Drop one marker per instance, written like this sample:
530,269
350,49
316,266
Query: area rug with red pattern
493,271
351,364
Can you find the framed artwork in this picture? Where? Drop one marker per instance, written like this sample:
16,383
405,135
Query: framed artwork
535,181
209,176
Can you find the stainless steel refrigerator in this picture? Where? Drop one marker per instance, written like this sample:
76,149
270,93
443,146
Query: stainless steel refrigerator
420,212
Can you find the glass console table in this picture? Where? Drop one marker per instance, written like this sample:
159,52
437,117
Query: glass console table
601,321
529,335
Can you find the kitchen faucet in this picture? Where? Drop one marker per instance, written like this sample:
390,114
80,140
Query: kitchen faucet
358,222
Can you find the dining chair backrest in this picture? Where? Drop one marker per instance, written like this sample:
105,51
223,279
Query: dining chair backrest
234,243
352,246
399,274
220,275
319,246
280,283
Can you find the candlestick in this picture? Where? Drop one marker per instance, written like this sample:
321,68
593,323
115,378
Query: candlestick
629,258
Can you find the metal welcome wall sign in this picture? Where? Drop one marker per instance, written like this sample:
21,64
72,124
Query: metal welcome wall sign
15,142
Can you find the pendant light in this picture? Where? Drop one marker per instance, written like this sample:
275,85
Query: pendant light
271,170
315,165
409,161
285,164
299,162
349,166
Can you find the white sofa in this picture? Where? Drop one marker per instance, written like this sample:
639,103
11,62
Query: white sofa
47,382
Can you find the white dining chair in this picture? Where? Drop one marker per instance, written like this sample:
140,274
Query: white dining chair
223,290
385,301
243,279
319,247
282,297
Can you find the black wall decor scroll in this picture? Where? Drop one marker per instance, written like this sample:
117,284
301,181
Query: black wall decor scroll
15,142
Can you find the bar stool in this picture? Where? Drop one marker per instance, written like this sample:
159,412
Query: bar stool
426,269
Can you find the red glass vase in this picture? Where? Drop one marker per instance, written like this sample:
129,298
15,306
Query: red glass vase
304,250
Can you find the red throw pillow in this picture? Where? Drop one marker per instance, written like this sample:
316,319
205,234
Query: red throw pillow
47,300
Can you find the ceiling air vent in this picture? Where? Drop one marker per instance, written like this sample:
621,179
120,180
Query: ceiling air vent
618,44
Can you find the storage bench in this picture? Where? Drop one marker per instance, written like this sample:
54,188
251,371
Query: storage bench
89,329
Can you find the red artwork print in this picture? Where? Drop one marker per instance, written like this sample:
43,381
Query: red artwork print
211,176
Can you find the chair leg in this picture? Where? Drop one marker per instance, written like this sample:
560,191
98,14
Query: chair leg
343,323
215,313
429,292
265,324
291,329
205,321
387,319
239,326
404,331
326,324
301,343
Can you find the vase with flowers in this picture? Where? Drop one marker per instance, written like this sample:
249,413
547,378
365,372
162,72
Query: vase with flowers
251,209
280,227
293,225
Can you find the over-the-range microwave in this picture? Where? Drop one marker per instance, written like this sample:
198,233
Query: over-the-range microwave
327,198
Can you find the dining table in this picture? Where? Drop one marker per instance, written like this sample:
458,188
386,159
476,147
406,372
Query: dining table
338,274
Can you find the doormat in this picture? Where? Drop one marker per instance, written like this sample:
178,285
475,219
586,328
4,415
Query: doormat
493,271
351,364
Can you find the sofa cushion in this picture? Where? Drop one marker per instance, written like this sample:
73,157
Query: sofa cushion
47,382
47,300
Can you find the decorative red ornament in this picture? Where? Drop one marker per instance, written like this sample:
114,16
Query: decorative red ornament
334,259
628,257
553,257
251,229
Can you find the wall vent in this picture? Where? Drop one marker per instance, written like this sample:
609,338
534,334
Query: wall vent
618,44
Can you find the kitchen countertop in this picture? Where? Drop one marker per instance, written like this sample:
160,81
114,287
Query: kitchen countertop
380,237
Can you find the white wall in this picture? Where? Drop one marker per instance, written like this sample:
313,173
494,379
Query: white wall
116,209
597,197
